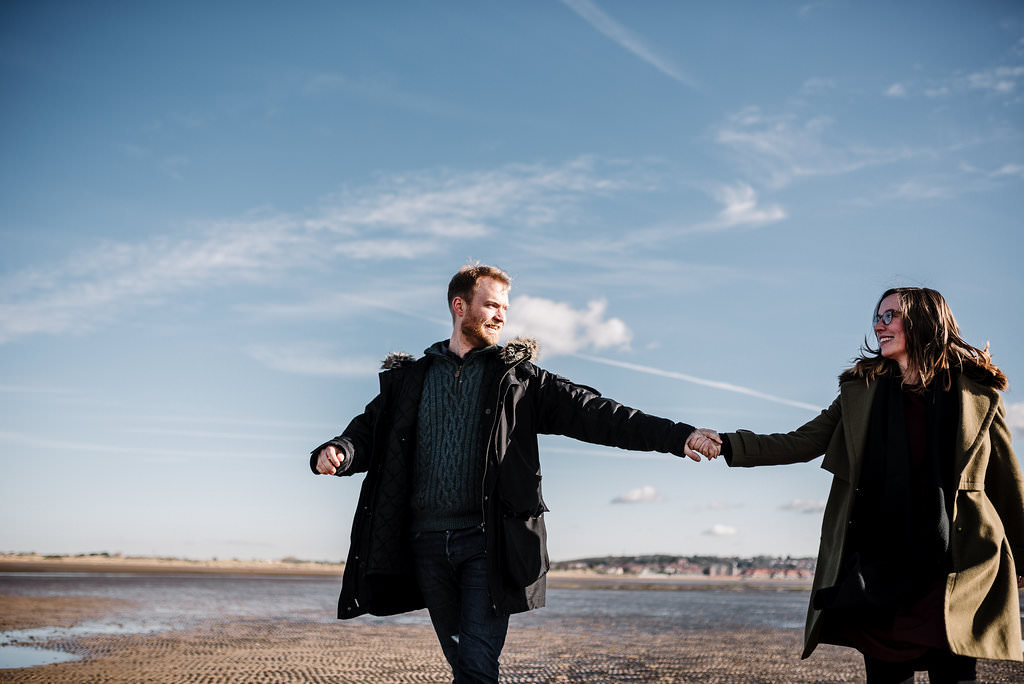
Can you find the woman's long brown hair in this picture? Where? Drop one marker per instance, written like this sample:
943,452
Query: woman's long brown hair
934,345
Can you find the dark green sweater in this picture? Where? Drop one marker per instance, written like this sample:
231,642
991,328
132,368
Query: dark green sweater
447,489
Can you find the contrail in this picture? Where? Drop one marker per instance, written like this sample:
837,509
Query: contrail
728,387
594,16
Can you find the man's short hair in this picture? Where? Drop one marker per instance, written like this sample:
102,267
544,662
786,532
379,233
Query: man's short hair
464,282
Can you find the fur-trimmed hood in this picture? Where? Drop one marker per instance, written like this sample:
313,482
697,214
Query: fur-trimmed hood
515,350
520,349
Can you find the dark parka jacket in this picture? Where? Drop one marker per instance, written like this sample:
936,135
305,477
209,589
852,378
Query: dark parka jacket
520,401
982,615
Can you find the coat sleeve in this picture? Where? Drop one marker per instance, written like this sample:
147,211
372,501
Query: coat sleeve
355,443
747,449
580,412
1004,485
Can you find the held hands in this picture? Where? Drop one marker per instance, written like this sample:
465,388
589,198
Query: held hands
329,460
703,442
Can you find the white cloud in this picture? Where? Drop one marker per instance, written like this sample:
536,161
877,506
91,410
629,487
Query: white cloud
626,39
741,208
561,329
1001,80
896,90
1010,170
804,506
719,530
646,494
312,359
1015,417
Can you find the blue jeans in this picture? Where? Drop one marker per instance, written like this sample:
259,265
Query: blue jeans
451,570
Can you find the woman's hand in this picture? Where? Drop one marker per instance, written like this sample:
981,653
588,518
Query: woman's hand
703,442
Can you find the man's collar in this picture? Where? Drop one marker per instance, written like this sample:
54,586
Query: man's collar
443,349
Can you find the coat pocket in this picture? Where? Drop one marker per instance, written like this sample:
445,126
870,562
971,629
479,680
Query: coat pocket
526,549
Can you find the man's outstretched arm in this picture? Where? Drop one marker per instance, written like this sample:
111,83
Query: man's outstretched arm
349,452
582,413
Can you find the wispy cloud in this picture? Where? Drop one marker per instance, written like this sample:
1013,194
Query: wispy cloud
719,530
804,506
920,190
646,494
378,91
46,391
312,359
996,81
896,90
247,435
780,149
717,384
561,329
1001,80
718,506
817,85
36,442
401,217
91,288
809,8
597,18
1004,171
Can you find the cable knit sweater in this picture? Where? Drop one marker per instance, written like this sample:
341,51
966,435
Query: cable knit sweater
447,486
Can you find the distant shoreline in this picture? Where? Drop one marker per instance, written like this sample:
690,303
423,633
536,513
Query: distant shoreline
559,579
24,562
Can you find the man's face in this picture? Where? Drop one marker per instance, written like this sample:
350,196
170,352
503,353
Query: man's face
485,313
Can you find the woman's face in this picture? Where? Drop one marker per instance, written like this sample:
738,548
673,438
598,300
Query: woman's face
891,340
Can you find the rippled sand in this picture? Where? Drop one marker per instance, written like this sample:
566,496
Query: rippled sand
262,650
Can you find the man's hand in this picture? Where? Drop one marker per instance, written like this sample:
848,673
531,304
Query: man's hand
329,460
703,442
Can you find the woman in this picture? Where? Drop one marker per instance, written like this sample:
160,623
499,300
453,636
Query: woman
924,525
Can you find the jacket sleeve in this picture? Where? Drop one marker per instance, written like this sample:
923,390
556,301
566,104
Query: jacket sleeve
1004,485
580,412
355,443
747,449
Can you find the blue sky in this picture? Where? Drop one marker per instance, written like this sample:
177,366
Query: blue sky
218,218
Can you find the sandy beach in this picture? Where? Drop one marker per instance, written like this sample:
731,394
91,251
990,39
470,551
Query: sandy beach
279,649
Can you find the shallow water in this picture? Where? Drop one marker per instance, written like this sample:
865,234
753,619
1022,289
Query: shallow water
164,602
27,656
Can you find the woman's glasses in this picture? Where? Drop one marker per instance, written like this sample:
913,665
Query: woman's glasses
886,316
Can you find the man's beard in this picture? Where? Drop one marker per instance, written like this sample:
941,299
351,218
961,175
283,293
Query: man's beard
477,334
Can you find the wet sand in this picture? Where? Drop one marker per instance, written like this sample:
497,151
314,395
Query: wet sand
281,650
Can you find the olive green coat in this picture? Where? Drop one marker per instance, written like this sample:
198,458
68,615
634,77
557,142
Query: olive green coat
982,605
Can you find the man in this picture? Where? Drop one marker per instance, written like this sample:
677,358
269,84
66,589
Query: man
451,515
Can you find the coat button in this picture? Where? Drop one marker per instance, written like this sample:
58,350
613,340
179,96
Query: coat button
487,412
